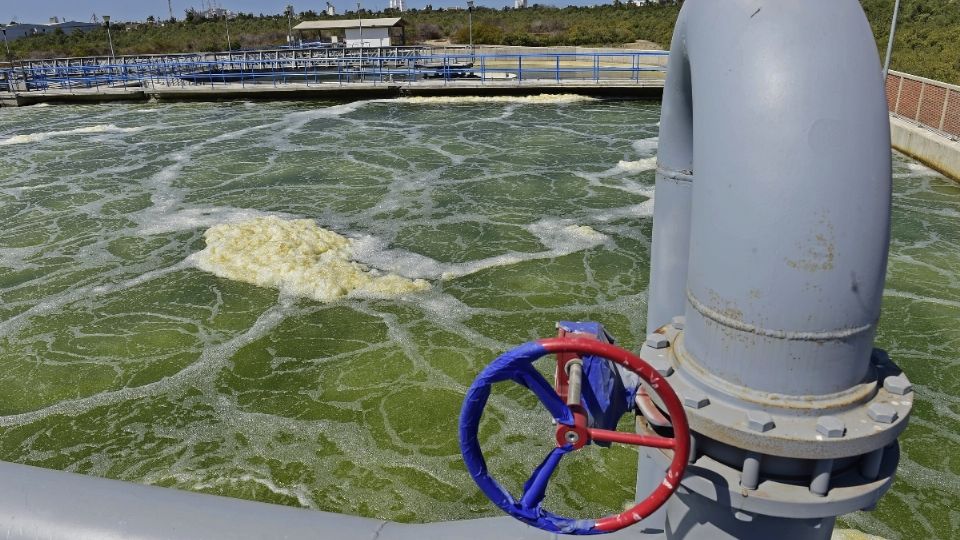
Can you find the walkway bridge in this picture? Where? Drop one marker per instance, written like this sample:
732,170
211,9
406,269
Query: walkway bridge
306,73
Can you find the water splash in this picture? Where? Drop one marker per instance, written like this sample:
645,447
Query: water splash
541,99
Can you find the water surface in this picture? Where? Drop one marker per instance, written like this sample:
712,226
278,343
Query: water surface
119,358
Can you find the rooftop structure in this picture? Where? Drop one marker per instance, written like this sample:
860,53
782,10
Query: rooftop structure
359,32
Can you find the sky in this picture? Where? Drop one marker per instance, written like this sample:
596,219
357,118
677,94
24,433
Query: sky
40,11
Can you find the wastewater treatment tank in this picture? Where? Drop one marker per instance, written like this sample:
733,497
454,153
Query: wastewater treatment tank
161,320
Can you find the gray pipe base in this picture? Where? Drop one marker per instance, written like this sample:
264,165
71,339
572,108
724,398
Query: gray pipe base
692,517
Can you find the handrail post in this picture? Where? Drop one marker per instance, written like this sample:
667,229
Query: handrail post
943,113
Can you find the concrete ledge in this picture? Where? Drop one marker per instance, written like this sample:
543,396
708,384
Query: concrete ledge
930,148
651,89
33,98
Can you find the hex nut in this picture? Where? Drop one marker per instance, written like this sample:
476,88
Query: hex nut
881,412
657,341
831,427
760,421
897,384
663,368
679,321
696,401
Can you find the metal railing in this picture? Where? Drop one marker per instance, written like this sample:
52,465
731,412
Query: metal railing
930,103
253,68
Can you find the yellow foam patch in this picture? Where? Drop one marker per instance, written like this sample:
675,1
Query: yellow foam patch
298,258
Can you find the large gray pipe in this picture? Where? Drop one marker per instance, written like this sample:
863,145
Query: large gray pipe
56,505
778,111
671,211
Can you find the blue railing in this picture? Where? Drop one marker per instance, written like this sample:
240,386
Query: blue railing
620,67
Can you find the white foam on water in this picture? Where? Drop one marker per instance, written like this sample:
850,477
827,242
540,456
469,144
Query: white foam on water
297,257
44,135
564,237
375,251
919,169
465,100
196,218
638,166
646,147
642,210
331,111
560,237
919,298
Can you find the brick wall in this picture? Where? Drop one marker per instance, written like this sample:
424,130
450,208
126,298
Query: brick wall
928,102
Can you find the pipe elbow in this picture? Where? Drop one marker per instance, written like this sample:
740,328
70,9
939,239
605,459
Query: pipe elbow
790,206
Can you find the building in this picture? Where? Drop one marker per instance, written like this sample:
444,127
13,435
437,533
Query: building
519,4
19,30
396,4
384,32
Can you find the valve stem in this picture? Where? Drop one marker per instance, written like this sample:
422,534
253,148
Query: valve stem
575,375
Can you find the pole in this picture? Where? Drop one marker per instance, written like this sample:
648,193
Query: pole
226,24
893,30
6,45
106,20
360,23
290,24
470,23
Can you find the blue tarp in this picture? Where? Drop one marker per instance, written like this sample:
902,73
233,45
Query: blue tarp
604,395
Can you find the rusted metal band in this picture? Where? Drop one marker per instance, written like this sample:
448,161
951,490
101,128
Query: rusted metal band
674,174
826,335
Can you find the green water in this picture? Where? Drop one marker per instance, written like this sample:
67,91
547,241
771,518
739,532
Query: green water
119,359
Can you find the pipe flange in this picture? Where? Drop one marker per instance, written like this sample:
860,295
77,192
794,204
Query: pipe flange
849,491
855,422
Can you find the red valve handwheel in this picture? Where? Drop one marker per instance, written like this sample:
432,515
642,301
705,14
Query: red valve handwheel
572,434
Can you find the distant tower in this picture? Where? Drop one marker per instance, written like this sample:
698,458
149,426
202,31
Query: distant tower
331,11
519,4
170,8
396,4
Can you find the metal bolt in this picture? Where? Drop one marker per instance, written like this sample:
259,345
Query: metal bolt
883,413
696,400
760,421
897,384
572,437
679,321
662,366
831,426
657,341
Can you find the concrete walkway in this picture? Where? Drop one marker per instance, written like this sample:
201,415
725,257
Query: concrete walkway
645,88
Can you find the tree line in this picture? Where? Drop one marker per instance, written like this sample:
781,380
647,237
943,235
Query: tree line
927,41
